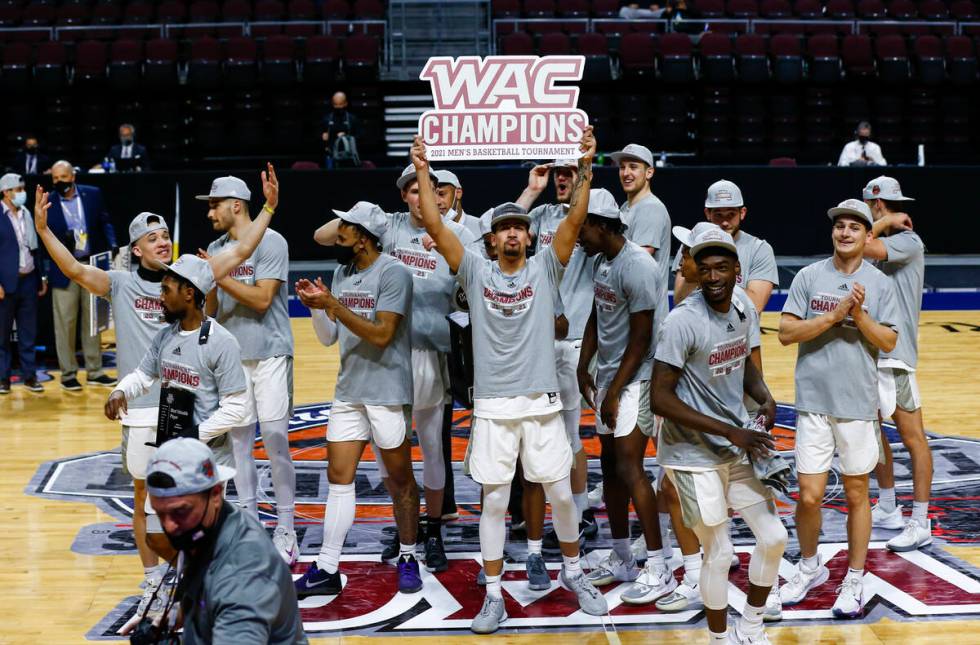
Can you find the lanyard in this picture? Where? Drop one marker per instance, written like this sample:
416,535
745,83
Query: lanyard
76,223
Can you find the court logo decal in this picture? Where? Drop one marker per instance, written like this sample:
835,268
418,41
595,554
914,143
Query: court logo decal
929,584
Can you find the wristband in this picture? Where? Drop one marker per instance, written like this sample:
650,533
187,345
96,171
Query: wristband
265,207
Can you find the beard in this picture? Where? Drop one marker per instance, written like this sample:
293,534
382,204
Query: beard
511,252
171,317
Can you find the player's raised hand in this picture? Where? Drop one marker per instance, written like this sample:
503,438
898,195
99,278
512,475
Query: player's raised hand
588,145
537,179
270,186
419,158
116,405
41,206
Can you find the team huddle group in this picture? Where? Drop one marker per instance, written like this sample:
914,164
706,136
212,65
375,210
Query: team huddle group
564,302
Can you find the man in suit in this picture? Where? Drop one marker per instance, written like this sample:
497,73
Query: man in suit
30,160
128,155
79,219
22,282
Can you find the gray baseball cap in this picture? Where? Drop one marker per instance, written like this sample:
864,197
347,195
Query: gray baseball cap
686,236
407,177
145,223
855,208
880,188
225,187
368,215
603,204
565,163
447,177
509,211
633,151
195,270
191,466
723,194
11,180
712,238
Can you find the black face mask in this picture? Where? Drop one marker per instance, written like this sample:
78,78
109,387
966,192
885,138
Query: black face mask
63,187
31,150
345,254
191,538
863,138
126,141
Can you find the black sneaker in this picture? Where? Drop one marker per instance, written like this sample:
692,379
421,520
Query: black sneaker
5,386
32,385
71,384
435,555
588,528
105,380
316,582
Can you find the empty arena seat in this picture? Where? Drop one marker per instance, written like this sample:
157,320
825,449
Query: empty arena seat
711,8
241,58
824,55
595,47
125,60
676,58
750,52
506,8
91,61
539,8
929,62
138,13
776,9
301,10
964,10
933,10
335,10
172,12
361,57
518,43
554,44
322,60
204,63
160,67
871,9
857,56
717,61
9,15
808,9
893,59
572,8
35,14
637,55
902,10
203,11
16,66
605,8
743,8
72,14
279,61
368,10
49,66
840,9
962,60
268,11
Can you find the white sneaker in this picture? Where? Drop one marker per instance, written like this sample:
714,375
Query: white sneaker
685,596
612,569
595,497
285,543
738,635
915,536
850,599
882,519
157,590
652,584
803,581
774,606
639,549
735,564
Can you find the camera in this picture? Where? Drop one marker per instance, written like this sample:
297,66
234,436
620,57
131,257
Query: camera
147,633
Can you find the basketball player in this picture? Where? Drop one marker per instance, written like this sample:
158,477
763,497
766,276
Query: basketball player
517,405
432,300
618,334
368,309
843,314
252,304
725,207
449,199
900,254
197,364
575,294
699,381
138,315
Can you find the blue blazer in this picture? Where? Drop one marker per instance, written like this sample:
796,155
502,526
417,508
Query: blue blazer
10,254
101,235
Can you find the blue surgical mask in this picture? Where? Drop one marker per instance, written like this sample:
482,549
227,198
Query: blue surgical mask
20,198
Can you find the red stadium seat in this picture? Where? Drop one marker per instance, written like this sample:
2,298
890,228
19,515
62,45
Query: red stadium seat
964,10
204,64
322,60
335,10
72,14
91,60
172,12
776,9
871,9
637,55
930,64
573,8
933,10
518,43
857,57
361,57
902,10
160,68
241,60
38,14
717,62
125,60
595,47
961,55
279,61
368,10
554,44
539,8
787,57
840,9
750,52
711,8
49,66
605,8
893,59
676,58
16,66
506,8
824,54
743,8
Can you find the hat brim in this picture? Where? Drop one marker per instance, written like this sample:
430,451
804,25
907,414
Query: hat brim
620,156
404,180
516,217
738,205
606,214
203,198
713,244
225,473
682,235
903,198
838,211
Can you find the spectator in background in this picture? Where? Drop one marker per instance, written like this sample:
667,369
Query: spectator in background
22,282
862,151
30,160
78,218
683,18
633,11
127,155
340,132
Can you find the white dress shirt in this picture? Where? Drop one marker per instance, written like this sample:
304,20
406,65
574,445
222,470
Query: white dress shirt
856,151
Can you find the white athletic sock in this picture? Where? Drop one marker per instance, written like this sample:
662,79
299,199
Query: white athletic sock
668,547
886,499
655,559
534,546
275,436
752,617
622,548
692,569
920,513
811,564
493,587
854,573
573,568
337,521
406,549
717,637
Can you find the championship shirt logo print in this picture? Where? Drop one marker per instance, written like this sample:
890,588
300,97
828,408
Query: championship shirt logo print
421,263
509,304
605,297
148,309
244,272
545,238
361,303
179,375
727,356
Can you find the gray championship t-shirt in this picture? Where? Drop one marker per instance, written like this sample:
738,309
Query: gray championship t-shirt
648,224
211,371
755,257
710,349
433,283
513,324
370,375
261,335
575,290
623,286
836,372
906,266
138,316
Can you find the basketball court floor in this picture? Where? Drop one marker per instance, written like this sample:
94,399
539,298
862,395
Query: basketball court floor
69,572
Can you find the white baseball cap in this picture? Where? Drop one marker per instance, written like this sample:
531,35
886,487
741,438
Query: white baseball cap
509,211
195,270
227,187
447,177
10,181
633,151
712,238
723,194
367,215
886,188
603,204
565,163
686,236
145,223
189,464
854,207
485,222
